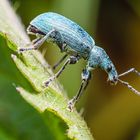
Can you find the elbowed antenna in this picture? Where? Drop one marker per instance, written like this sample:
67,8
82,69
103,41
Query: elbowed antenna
126,83
129,71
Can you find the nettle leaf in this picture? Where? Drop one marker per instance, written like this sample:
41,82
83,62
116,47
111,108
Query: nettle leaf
51,101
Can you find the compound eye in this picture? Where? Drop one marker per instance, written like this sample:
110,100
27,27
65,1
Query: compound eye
109,68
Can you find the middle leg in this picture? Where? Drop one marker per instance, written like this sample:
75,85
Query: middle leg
71,60
60,61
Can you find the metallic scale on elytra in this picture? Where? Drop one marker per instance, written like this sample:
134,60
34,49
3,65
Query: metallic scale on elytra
76,43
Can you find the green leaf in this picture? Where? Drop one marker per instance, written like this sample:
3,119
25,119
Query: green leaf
5,136
35,69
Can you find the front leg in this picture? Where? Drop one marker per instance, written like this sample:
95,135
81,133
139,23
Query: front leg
86,75
58,39
40,40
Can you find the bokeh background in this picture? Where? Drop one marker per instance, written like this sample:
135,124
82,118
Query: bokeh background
111,112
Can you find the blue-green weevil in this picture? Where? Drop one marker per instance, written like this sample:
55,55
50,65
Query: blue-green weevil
76,43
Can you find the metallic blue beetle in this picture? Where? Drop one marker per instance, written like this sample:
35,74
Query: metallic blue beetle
77,44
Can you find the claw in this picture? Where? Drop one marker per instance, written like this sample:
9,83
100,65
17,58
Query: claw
21,50
46,83
71,104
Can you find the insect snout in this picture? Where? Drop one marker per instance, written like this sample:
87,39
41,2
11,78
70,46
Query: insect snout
114,80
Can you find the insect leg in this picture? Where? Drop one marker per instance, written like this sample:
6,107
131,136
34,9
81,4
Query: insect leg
129,71
86,75
60,61
38,42
71,60
34,41
58,39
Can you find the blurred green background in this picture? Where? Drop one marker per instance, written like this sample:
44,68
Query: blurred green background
111,112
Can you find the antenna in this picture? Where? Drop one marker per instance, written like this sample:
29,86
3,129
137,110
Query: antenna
129,71
126,83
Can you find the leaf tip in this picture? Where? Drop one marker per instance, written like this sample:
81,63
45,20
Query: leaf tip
13,56
18,89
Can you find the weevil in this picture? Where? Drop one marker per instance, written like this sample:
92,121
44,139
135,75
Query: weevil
77,44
